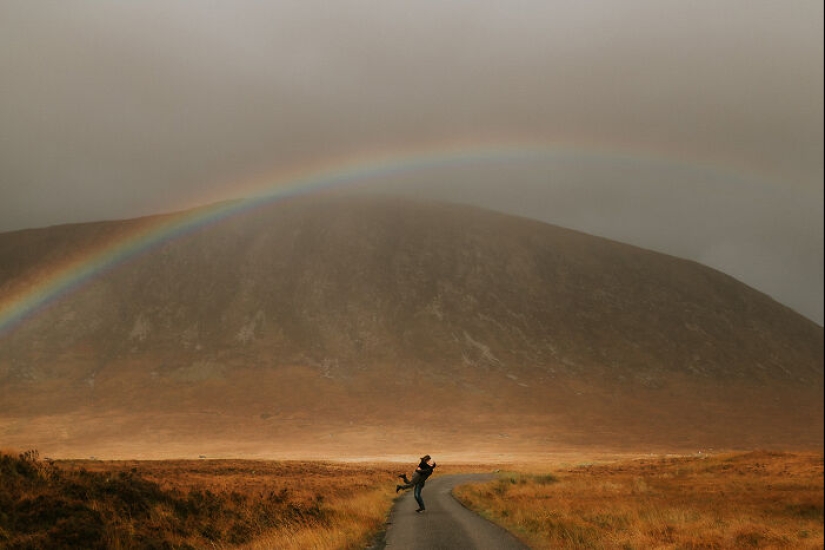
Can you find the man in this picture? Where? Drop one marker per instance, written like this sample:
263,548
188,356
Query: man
422,472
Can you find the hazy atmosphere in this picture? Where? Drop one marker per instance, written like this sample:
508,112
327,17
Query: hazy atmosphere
692,128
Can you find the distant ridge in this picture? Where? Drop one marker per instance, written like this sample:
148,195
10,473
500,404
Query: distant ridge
336,324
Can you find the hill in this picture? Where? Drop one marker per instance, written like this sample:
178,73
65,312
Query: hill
337,325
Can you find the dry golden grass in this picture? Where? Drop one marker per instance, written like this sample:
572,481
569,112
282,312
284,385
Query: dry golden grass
766,500
188,504
760,500
343,505
191,504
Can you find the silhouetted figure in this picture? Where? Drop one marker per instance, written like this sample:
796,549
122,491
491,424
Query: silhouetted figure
422,472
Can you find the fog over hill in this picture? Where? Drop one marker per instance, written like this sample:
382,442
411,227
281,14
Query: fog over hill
341,326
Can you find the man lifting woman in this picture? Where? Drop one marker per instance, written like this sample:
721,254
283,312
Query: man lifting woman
422,472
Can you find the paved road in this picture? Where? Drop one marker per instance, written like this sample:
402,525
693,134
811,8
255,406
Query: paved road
446,525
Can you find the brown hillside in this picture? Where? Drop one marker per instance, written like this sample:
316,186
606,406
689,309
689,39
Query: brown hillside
344,325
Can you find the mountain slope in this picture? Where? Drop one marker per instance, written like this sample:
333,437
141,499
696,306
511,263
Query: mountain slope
326,322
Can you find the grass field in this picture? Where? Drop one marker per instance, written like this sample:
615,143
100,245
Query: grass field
732,501
190,504
764,500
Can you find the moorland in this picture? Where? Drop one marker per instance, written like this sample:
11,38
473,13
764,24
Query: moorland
759,499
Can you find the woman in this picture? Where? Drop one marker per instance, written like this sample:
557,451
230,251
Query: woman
422,472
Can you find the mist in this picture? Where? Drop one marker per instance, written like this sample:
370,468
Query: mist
694,129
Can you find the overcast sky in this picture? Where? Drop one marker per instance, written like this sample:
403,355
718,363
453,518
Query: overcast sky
693,128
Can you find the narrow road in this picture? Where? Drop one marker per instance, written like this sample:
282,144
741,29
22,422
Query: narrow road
446,525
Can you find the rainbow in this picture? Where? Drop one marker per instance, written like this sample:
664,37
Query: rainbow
58,281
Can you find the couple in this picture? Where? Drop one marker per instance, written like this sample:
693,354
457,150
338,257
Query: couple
422,472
